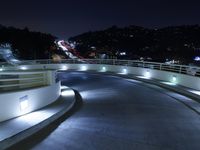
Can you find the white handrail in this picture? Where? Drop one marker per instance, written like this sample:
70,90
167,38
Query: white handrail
182,69
10,80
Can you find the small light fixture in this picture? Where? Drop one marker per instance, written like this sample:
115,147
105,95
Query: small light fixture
23,104
174,79
64,68
147,74
23,68
83,68
103,68
124,71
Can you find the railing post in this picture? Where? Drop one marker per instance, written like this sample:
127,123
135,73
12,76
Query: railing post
180,70
113,61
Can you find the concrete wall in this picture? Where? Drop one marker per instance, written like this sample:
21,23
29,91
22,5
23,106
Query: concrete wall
13,104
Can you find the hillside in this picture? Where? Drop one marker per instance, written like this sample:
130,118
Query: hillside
27,44
177,42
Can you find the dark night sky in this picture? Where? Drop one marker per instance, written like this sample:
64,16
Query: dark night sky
65,18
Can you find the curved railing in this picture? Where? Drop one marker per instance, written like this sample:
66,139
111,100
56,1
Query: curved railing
11,80
21,80
181,69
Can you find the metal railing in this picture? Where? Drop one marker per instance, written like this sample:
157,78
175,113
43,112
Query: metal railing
21,80
182,69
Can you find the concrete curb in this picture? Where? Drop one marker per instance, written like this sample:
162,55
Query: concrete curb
11,141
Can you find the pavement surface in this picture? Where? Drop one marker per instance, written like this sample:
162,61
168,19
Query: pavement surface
121,114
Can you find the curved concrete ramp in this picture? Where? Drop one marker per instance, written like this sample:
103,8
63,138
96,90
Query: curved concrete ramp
120,114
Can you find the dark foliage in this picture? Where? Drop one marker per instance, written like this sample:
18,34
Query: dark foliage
179,42
27,44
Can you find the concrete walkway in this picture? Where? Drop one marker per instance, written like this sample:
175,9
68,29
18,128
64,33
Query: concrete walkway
20,128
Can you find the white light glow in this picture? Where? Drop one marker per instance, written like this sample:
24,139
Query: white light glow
174,79
195,92
197,58
1,69
36,117
122,53
124,71
103,68
64,68
168,83
64,87
142,77
23,104
147,74
23,68
83,68
67,93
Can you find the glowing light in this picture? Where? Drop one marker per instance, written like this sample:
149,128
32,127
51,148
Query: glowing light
195,92
83,68
142,77
122,53
103,68
174,79
168,83
124,71
67,93
64,87
36,117
147,74
64,68
1,69
23,104
197,58
23,68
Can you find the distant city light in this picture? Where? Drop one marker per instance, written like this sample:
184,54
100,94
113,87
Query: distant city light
122,53
64,87
197,58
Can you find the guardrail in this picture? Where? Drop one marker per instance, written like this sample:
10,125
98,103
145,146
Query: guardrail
182,69
21,80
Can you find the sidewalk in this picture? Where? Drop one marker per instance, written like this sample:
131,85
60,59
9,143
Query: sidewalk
20,128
